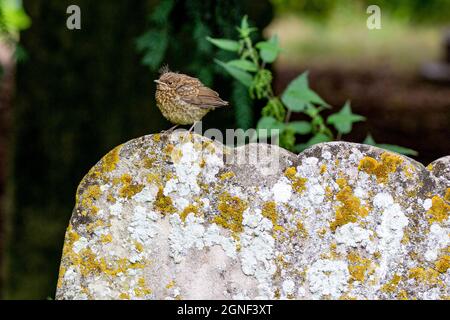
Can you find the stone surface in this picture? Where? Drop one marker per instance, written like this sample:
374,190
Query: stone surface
182,217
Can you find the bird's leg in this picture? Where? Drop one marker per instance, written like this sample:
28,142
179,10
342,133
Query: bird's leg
169,131
190,129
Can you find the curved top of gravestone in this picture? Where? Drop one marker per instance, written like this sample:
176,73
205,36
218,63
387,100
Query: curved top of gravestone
178,216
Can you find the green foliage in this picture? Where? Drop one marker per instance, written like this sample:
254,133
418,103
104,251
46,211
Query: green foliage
344,119
13,19
414,11
370,141
250,69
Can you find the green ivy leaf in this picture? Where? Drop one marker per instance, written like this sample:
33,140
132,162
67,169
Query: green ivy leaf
300,127
225,44
391,147
269,49
242,76
298,96
270,124
369,140
243,65
245,29
344,119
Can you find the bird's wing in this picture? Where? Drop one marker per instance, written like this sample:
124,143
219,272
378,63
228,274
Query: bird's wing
200,96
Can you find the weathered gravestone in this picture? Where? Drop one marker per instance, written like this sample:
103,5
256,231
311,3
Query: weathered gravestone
182,217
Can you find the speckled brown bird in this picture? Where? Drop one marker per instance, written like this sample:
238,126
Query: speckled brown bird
183,99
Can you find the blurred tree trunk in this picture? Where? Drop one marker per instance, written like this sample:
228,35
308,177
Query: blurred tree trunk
79,94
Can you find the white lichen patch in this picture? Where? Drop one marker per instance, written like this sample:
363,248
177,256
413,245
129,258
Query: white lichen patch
257,251
328,278
282,191
352,235
437,239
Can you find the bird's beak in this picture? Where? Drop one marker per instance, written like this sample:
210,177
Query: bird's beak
158,82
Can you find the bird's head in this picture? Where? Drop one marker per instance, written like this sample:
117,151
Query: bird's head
168,80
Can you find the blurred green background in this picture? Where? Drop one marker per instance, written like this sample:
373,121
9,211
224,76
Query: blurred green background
69,96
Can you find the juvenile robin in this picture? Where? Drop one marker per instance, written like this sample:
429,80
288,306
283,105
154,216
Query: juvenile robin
183,99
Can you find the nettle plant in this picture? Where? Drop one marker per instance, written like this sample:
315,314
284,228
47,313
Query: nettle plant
250,68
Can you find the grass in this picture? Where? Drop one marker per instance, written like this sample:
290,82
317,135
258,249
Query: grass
345,40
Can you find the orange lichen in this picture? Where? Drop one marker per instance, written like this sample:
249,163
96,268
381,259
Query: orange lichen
164,203
381,169
298,183
439,210
350,209
231,209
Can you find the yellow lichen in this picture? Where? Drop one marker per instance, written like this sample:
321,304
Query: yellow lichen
106,238
403,295
156,137
170,284
439,210
350,209
129,188
110,198
428,276
153,178
230,209
148,162
301,229
269,210
124,296
109,162
164,203
447,195
381,169
142,289
358,266
89,196
189,209
62,272
443,264
226,175
298,183
139,246
392,285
